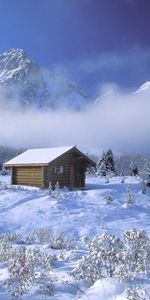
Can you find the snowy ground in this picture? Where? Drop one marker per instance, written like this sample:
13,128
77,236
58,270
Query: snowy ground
77,213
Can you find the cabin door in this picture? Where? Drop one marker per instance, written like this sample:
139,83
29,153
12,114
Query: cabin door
72,176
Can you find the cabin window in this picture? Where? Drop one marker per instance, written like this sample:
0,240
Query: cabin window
59,170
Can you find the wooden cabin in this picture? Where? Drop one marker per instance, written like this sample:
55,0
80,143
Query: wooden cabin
39,167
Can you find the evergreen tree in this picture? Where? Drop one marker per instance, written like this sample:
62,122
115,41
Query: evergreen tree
129,196
133,169
145,176
106,165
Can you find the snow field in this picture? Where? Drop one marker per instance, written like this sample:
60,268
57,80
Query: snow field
77,213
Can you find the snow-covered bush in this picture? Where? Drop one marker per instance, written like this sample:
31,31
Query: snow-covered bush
110,256
60,242
108,199
50,189
31,266
55,192
4,172
21,269
5,248
136,252
103,223
14,237
143,186
101,260
91,171
46,236
136,293
40,236
26,268
46,284
122,180
129,196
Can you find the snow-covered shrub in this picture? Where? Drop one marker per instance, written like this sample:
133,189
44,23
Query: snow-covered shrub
55,192
4,172
129,196
14,237
108,199
50,189
135,256
40,236
103,223
122,180
91,171
46,284
143,186
136,251
5,248
26,268
101,260
21,269
46,236
136,293
110,256
59,242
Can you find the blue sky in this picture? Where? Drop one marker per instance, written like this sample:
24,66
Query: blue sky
93,42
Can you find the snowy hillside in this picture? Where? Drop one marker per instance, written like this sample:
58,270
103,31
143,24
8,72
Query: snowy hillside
24,83
78,214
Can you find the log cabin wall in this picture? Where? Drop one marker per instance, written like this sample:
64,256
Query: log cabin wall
51,174
67,161
31,176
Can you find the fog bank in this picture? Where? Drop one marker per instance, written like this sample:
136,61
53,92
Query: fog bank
119,121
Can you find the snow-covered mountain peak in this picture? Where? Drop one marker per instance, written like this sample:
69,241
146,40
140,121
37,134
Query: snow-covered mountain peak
145,87
12,61
24,83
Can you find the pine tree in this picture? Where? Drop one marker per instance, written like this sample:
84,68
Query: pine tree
133,169
129,196
106,165
145,176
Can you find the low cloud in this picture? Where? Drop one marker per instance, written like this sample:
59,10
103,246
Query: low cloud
119,121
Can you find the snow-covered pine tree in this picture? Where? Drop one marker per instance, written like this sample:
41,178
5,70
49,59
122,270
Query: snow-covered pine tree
57,191
50,189
145,176
133,169
106,165
129,196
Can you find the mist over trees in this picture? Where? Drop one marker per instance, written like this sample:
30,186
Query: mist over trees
122,164
7,153
130,163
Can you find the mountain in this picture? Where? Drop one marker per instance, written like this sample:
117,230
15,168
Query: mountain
23,83
144,88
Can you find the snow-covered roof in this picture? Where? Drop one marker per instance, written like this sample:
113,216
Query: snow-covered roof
38,156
